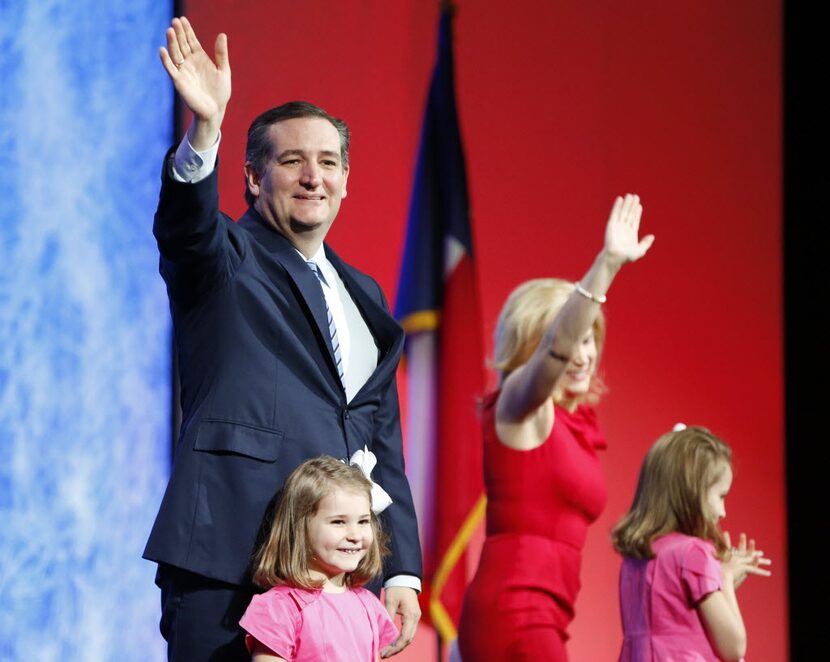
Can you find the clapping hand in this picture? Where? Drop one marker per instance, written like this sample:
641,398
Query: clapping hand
743,560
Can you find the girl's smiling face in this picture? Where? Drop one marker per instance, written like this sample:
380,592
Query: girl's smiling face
340,534
715,499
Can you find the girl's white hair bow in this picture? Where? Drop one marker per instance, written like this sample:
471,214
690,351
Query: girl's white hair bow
365,460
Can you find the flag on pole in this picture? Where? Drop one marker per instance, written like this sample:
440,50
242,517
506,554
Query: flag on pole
438,307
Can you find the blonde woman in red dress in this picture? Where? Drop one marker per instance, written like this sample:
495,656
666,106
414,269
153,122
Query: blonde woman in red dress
542,471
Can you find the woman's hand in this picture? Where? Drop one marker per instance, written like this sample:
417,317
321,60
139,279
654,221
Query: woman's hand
742,561
621,241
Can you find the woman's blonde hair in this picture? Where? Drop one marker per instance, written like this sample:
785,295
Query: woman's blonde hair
677,472
284,556
528,312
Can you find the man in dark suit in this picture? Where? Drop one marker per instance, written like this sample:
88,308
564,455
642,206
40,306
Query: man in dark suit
285,352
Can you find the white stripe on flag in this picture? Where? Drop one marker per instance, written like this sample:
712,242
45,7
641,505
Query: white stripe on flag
453,252
422,375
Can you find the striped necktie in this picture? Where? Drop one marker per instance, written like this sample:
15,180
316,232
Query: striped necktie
335,343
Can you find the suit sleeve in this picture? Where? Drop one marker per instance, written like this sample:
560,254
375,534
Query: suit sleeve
399,520
195,240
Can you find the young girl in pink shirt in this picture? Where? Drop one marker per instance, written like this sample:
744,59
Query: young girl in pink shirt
679,573
325,543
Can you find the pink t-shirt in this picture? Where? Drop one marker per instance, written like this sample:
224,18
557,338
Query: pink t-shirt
299,625
658,599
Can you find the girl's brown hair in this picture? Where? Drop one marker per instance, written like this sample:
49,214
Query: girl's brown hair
284,556
676,473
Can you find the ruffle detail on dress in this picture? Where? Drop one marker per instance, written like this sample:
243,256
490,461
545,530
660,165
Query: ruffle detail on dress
701,570
584,425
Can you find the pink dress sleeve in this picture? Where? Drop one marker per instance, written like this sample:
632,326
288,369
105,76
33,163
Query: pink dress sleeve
387,632
700,571
273,619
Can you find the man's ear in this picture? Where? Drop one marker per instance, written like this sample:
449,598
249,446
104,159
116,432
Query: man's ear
252,178
345,181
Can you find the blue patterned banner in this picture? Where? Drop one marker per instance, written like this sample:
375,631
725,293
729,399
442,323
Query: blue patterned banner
85,117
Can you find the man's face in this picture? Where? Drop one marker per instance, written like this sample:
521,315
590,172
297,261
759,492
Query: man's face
301,186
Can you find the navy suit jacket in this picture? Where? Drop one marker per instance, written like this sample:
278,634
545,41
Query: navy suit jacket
259,387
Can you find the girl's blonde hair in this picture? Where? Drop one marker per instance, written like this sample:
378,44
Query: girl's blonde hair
677,472
527,313
284,556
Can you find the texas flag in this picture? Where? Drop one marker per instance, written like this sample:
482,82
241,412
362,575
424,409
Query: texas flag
438,307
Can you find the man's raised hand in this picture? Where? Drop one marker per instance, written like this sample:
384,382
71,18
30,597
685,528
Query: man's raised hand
203,85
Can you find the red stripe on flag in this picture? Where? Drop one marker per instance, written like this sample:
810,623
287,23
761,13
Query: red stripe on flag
459,472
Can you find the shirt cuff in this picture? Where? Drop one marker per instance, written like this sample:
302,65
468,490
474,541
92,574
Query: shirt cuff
190,166
406,581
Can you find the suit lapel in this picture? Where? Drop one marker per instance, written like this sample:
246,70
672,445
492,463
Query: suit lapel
383,327
303,277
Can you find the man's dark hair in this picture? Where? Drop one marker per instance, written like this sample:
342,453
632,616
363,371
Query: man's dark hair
258,149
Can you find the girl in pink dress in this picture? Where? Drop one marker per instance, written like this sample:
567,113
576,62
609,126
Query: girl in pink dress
325,543
680,573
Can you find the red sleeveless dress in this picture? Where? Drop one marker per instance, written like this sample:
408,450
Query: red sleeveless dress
539,505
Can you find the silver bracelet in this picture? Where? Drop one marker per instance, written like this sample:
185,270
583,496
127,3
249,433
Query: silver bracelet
593,297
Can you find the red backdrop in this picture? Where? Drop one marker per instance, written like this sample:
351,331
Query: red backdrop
564,105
